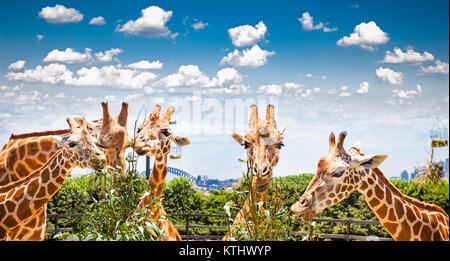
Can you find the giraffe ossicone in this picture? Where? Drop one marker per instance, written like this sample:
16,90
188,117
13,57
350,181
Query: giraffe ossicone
341,172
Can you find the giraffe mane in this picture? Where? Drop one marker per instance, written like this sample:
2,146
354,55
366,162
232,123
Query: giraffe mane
420,204
38,134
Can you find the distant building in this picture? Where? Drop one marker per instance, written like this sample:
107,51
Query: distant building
446,168
204,183
414,174
404,176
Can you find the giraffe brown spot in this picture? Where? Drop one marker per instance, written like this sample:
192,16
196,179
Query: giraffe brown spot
12,159
32,222
369,193
21,169
391,215
3,212
23,210
356,179
46,144
370,181
321,196
345,181
405,233
21,151
42,158
426,233
410,214
32,164
434,222
39,203
374,202
382,211
388,197
42,192
416,228
10,206
59,180
379,193
363,186
45,175
338,188
328,202
391,227
436,236
53,164
344,188
399,208
165,150
350,188
332,195
52,188
33,148
10,221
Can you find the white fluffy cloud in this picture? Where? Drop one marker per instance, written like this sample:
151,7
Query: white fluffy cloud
146,65
390,76
410,56
402,94
199,26
107,55
365,35
68,56
152,23
100,20
17,66
253,57
113,76
227,80
59,14
246,35
345,91
363,88
272,89
439,68
52,73
308,24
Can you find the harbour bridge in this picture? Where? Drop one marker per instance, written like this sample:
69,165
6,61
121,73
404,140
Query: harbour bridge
173,173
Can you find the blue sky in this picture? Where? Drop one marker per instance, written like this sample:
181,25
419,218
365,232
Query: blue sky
377,69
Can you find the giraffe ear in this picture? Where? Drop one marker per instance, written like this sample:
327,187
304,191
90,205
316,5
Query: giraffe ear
90,127
238,138
181,141
369,161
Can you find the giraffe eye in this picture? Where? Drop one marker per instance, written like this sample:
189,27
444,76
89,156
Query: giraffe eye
279,145
338,173
72,144
166,132
246,144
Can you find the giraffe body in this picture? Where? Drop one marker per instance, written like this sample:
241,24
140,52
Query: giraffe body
22,203
341,172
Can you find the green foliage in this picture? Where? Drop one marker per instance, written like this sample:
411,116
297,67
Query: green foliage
110,205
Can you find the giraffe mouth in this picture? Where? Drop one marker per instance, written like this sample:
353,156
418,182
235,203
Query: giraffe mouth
261,188
142,150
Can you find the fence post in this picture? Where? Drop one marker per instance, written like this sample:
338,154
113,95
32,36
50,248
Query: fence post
187,226
349,221
310,231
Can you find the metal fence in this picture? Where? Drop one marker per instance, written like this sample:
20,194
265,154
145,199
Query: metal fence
188,225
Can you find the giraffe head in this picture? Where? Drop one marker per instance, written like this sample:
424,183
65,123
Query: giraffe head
338,175
154,137
81,146
111,134
262,143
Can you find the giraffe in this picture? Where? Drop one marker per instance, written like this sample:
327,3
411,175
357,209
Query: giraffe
154,139
27,152
262,143
341,172
112,137
21,200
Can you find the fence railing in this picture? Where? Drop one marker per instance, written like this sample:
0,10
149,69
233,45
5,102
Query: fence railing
188,225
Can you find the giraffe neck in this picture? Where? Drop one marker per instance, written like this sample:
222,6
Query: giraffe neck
158,176
113,159
21,157
24,200
403,217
